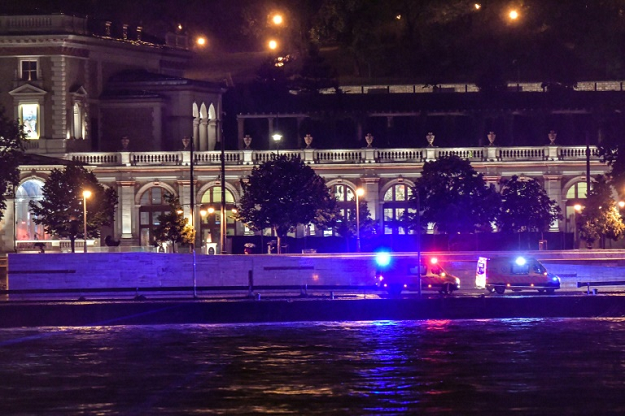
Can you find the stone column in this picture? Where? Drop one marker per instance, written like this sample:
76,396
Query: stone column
240,132
554,191
128,213
7,227
203,142
371,186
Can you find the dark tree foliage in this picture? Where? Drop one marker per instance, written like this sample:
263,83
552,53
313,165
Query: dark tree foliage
454,197
525,206
600,218
282,193
61,210
11,153
173,226
346,226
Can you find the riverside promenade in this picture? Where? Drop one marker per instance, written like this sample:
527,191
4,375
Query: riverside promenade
132,271
202,311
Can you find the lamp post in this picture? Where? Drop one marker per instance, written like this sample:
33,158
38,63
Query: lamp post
85,194
187,141
359,192
577,209
276,138
418,240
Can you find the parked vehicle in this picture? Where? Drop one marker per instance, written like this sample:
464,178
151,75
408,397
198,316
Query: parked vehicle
514,273
396,273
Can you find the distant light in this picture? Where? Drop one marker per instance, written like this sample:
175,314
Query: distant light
277,137
477,6
621,204
383,258
86,194
577,207
277,19
360,192
211,210
520,261
201,41
179,26
433,260
513,14
398,17
273,44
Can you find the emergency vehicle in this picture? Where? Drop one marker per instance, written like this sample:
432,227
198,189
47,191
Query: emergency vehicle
514,273
396,273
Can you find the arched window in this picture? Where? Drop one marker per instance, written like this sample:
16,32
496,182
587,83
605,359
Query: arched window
577,191
396,204
211,222
78,122
25,227
346,203
153,204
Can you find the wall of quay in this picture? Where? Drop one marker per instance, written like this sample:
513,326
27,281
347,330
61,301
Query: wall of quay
143,270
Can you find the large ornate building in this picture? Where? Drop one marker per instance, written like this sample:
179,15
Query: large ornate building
121,105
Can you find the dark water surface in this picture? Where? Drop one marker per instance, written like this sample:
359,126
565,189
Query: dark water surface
485,367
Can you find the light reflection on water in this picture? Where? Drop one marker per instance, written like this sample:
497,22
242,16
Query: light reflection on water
492,367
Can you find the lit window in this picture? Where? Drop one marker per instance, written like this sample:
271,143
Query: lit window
577,191
29,114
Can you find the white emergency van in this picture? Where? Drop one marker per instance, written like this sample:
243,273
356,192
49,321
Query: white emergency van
515,273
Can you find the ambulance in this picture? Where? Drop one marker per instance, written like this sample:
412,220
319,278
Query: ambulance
396,273
515,273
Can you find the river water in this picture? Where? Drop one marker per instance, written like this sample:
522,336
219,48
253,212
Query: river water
460,367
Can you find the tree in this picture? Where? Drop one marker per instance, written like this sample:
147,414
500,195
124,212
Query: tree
600,217
525,206
11,153
173,226
61,210
454,197
282,193
346,226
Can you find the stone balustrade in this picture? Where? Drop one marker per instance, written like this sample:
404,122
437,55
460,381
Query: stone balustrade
338,156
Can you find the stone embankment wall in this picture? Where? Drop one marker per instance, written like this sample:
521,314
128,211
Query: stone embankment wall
141,270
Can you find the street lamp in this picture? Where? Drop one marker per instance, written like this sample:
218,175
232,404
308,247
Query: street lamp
359,192
577,210
276,138
85,195
277,19
188,141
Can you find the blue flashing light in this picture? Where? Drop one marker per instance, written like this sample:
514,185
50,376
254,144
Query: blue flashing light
555,278
383,259
520,261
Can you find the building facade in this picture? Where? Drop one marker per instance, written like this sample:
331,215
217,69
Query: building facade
121,106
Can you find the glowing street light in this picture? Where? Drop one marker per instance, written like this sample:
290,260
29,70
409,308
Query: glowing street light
513,15
477,6
359,192
273,44
201,41
85,195
277,19
276,138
